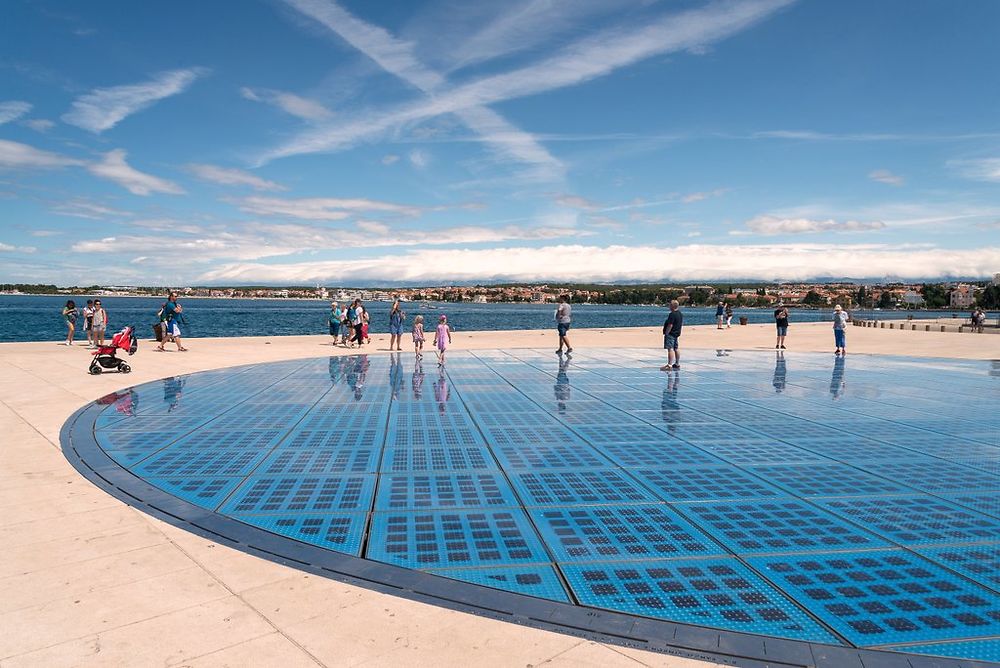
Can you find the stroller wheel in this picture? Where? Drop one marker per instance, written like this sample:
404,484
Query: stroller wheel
96,370
124,368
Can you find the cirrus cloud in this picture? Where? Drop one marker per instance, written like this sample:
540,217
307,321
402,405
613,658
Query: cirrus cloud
229,176
779,225
114,168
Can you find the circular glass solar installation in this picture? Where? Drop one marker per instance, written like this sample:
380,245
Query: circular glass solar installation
851,502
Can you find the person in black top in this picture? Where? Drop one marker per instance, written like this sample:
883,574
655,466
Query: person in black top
781,322
671,332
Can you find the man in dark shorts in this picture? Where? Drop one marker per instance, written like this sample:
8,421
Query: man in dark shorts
671,333
564,315
781,322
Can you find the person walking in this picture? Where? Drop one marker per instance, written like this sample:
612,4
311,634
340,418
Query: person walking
70,314
781,323
418,336
671,333
442,338
365,321
840,320
171,317
99,323
720,314
88,322
396,318
564,316
356,319
333,320
345,326
729,316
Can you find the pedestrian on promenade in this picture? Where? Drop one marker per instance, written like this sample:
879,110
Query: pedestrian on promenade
365,320
781,323
99,323
720,314
442,338
840,320
729,316
354,314
396,318
88,322
564,316
418,336
671,333
345,326
70,315
171,314
333,320
978,320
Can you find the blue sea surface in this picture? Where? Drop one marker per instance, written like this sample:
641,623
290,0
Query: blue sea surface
38,318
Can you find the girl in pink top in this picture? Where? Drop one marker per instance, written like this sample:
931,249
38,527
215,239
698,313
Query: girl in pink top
442,337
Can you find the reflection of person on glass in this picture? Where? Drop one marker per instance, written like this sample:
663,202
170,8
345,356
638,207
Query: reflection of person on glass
779,372
173,388
837,383
356,376
669,407
417,382
561,387
395,375
441,391
336,369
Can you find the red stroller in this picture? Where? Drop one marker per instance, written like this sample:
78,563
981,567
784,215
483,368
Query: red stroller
105,356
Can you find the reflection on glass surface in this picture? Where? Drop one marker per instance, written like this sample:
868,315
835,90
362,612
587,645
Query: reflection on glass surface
837,383
780,372
173,388
441,390
561,388
669,407
417,381
125,402
395,375
357,370
722,352
337,369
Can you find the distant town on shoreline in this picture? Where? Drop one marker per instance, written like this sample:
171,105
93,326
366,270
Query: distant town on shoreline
944,295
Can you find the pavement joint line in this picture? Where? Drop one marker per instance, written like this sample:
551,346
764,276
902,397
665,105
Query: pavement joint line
234,593
237,644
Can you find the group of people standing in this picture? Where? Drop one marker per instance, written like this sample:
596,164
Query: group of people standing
351,326
95,322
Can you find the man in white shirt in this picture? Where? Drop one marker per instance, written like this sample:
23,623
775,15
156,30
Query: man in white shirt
564,315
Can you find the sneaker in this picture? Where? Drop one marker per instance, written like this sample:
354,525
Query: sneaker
782,347
676,366
559,352
569,350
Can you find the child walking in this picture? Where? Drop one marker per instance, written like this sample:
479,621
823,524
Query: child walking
418,336
70,314
442,337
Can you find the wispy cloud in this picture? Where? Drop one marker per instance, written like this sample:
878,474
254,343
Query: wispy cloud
8,248
38,124
82,208
776,225
229,176
419,159
14,155
626,263
691,198
103,108
581,61
13,110
321,208
982,169
886,177
113,167
390,159
576,202
290,103
397,58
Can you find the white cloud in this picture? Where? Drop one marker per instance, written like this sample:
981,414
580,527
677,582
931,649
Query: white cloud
290,103
606,223
232,177
45,233
390,159
777,225
887,177
396,57
983,169
81,208
14,155
576,202
7,248
691,262
691,198
419,159
114,168
103,108
320,208
581,61
13,110
39,124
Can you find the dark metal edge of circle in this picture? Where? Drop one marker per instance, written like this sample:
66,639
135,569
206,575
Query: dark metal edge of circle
689,641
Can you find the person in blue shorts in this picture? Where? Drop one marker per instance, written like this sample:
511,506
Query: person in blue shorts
671,333
396,318
336,315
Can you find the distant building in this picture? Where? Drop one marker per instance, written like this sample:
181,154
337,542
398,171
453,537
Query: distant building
963,296
912,298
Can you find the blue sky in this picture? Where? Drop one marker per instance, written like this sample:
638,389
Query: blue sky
312,141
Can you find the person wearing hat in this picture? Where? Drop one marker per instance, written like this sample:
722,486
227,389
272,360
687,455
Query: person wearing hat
781,323
840,320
